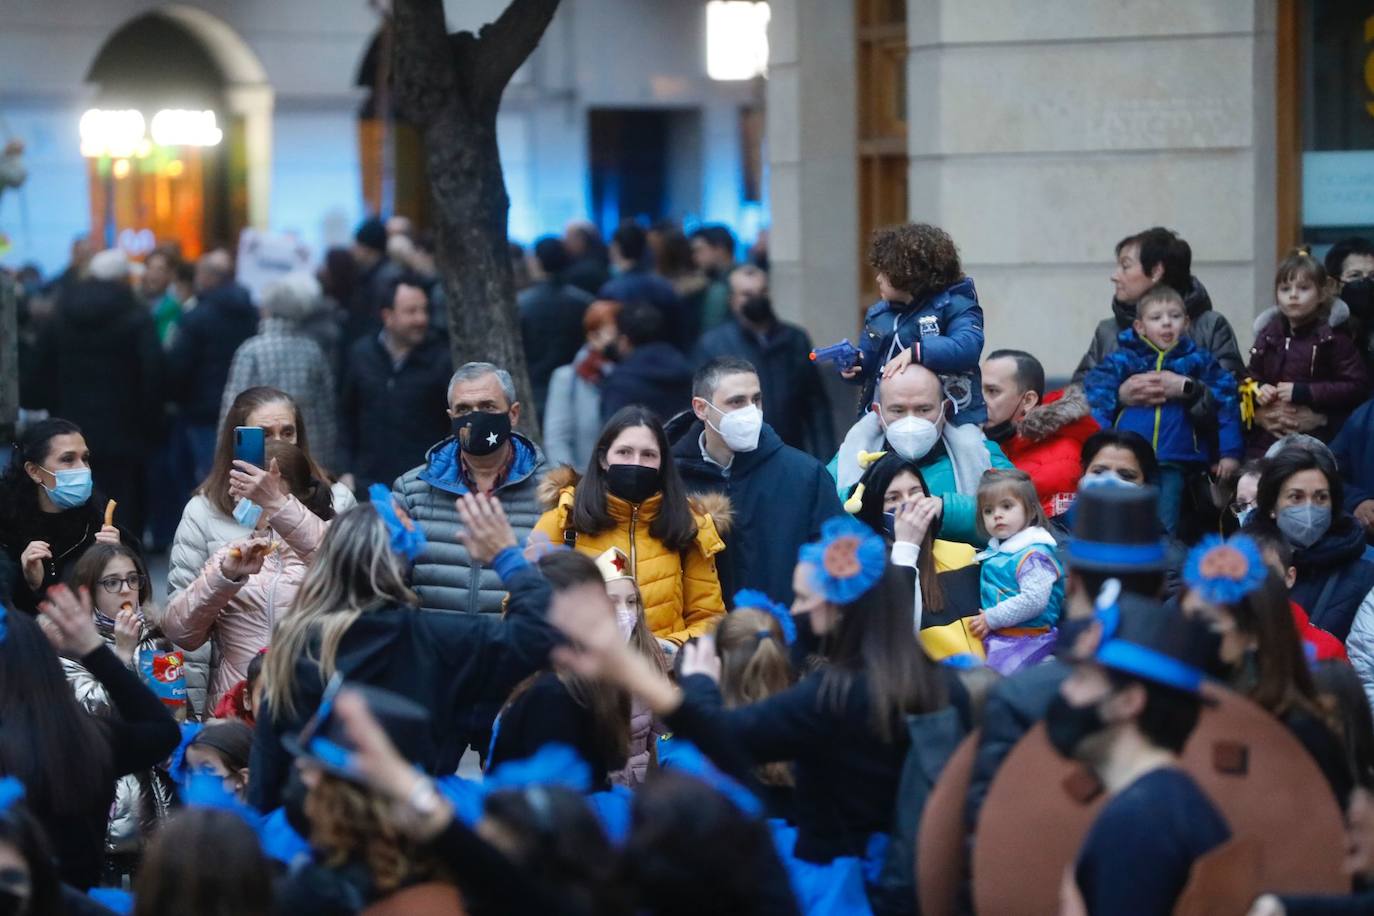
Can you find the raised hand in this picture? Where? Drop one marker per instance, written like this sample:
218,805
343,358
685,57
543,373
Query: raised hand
266,488
485,532
127,630
69,621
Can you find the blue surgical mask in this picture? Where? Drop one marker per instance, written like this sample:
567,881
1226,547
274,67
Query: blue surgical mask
73,487
1243,516
247,513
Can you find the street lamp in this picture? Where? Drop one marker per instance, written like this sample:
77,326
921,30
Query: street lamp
736,39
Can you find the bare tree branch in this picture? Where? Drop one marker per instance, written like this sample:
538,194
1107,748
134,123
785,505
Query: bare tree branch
424,75
506,44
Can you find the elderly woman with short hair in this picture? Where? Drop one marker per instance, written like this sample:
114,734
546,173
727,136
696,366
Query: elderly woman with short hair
284,354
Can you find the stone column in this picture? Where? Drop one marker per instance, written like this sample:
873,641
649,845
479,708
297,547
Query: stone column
1041,134
811,130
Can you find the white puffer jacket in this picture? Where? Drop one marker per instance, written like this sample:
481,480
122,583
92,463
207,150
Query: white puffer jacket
202,531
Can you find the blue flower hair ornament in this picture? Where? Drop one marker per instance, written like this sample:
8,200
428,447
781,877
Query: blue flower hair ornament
11,793
176,766
748,598
407,539
4,629
848,560
551,765
1224,572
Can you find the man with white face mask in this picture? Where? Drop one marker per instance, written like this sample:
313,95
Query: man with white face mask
779,496
909,419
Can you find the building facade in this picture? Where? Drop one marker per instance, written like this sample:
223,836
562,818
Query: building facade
1041,134
613,115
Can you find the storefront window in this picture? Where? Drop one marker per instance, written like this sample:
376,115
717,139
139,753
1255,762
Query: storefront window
1337,122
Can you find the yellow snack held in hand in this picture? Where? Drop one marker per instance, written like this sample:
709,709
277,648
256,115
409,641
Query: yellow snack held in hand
109,512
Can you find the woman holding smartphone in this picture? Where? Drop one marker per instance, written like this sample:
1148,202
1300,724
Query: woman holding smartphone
216,517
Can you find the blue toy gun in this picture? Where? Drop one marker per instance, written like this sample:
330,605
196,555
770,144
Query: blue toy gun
843,354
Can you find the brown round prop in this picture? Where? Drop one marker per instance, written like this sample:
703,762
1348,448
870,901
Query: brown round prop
941,853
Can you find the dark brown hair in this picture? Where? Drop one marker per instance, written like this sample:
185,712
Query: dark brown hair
917,258
1284,681
204,861
997,482
1300,263
675,525
299,476
873,638
876,481
216,487
89,569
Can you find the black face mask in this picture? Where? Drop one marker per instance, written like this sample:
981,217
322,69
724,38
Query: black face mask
611,352
1000,432
486,432
1359,295
1067,726
1070,628
633,483
757,309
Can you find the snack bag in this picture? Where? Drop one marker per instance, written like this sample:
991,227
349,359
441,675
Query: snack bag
164,671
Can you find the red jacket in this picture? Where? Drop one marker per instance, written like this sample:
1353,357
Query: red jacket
1047,445
1326,646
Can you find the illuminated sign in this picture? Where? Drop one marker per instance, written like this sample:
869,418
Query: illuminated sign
736,39
120,134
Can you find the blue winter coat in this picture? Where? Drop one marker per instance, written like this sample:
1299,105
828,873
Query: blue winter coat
949,327
779,498
1168,427
1352,450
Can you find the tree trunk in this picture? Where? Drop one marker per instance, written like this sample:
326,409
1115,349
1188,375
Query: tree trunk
451,86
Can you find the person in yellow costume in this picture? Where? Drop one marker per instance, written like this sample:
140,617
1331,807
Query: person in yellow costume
631,497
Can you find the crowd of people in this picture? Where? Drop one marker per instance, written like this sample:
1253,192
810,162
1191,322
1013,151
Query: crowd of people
708,655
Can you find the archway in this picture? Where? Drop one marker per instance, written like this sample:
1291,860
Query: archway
179,137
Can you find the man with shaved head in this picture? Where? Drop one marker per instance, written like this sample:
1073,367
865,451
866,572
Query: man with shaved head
910,418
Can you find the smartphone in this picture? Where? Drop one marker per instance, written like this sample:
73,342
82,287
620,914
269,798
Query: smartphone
250,445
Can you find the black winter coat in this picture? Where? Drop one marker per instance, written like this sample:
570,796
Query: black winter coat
551,327
100,365
1333,576
456,665
779,498
203,349
794,400
655,375
390,416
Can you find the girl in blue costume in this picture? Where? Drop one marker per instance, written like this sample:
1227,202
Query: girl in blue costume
842,725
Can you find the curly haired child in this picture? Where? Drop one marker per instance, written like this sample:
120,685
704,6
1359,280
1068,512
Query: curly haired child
929,314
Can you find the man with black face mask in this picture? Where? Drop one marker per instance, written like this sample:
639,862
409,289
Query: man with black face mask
1126,710
1042,433
1116,536
1351,263
795,404
482,455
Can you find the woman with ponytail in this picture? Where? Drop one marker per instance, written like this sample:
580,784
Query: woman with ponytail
248,584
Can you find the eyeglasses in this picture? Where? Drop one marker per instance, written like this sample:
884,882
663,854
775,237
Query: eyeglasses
112,584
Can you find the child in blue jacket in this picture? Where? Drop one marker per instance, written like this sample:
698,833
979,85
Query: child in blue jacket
929,314
1157,342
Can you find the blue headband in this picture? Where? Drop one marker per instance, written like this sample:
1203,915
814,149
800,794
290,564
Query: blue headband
551,765
748,598
848,560
406,537
1224,572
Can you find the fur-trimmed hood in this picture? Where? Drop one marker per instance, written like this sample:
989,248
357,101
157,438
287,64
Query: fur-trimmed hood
1058,410
1338,315
564,479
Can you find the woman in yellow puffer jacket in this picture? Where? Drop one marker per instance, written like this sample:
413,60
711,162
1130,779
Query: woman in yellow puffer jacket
631,497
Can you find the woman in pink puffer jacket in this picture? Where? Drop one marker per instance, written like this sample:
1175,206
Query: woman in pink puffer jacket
247,585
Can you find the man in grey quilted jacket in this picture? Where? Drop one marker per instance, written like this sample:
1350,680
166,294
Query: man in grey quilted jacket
484,455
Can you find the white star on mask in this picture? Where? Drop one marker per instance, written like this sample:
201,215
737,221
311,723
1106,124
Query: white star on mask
491,440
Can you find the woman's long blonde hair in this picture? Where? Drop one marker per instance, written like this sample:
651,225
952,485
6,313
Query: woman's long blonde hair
355,571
